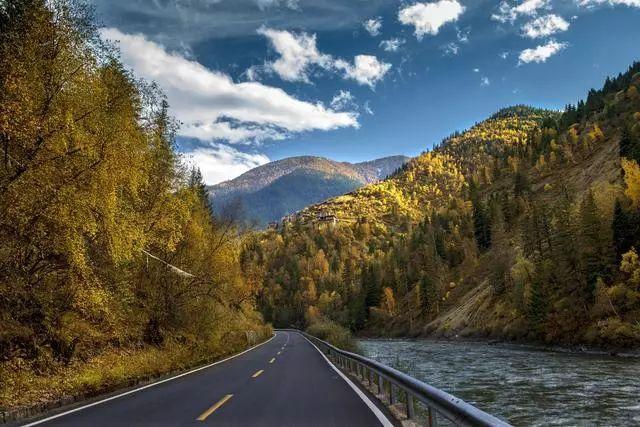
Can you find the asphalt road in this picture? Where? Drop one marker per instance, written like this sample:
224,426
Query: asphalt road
283,382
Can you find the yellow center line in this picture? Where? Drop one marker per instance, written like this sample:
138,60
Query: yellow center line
211,410
272,360
257,373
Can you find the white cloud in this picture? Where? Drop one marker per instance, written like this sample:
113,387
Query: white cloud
289,4
504,55
508,13
373,26
485,81
343,100
463,35
212,106
450,49
253,73
228,132
298,52
427,18
367,108
220,162
366,69
545,26
476,70
392,45
541,53
592,3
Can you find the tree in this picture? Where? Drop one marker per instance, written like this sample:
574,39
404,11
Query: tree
632,181
593,247
623,230
428,295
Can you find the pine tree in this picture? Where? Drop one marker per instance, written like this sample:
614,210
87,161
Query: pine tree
593,257
196,182
622,225
537,308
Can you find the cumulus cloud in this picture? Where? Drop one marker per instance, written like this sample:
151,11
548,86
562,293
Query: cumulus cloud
428,18
366,69
299,53
221,162
592,3
485,81
373,26
392,45
508,13
541,53
545,26
212,106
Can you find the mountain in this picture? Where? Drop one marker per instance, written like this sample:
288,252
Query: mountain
523,227
269,192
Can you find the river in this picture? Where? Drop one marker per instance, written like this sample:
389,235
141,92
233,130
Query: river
523,386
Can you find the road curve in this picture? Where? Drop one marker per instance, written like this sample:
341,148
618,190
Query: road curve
284,382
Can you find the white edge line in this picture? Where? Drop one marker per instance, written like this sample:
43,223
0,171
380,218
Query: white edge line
376,411
126,393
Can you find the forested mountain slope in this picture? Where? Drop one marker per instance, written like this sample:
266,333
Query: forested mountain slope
522,227
269,192
112,267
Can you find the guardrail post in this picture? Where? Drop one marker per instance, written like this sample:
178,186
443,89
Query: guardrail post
410,408
392,394
433,422
380,385
370,377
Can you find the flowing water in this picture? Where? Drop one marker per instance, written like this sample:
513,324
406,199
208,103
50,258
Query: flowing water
522,386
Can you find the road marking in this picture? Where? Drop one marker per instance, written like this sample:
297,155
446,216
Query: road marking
257,373
278,353
214,408
376,411
272,360
126,393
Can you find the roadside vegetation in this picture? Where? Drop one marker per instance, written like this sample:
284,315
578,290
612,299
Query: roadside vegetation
333,333
523,227
112,266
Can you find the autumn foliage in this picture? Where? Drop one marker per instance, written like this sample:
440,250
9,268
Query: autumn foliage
107,242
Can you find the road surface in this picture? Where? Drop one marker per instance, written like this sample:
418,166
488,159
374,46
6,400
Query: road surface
283,382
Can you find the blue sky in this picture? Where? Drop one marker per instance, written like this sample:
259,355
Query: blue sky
352,80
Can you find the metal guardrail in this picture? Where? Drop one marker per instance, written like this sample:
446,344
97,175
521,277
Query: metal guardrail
436,401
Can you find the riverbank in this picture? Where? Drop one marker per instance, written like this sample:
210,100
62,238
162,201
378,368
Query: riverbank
533,346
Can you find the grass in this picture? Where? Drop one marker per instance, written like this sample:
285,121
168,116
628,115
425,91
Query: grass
22,387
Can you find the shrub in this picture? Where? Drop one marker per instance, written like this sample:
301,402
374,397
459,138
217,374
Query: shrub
334,334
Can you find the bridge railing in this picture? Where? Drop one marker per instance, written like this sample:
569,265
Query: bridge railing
392,384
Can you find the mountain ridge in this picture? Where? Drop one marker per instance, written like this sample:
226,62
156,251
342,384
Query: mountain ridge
253,199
